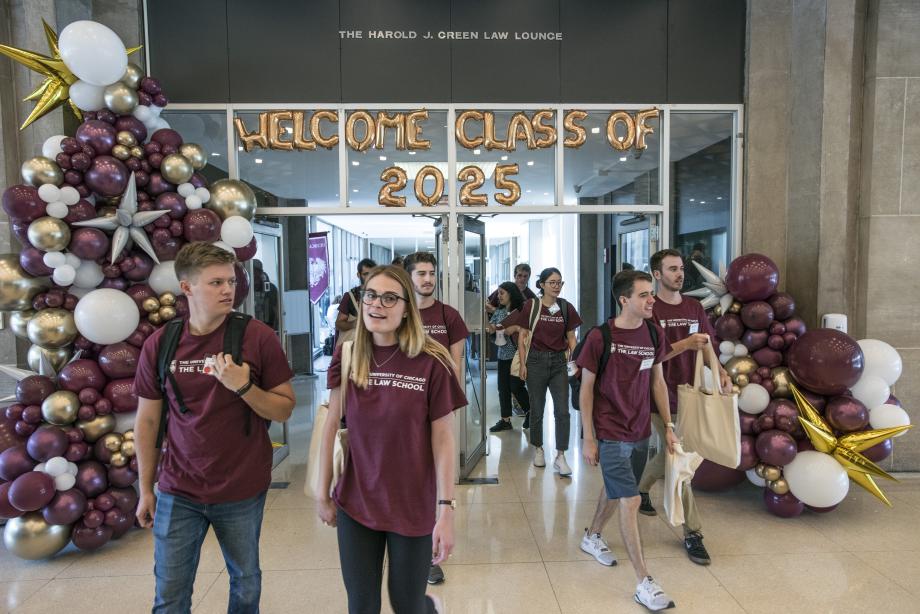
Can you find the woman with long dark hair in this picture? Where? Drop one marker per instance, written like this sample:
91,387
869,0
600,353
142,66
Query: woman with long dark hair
396,494
509,299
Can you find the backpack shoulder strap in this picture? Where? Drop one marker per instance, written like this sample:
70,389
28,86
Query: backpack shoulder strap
605,355
354,300
534,313
165,353
345,373
564,306
654,334
234,333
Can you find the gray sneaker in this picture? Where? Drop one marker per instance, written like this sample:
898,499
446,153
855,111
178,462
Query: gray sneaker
435,575
651,595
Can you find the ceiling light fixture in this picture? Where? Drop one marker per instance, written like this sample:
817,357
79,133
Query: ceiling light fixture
623,159
355,163
595,130
383,158
530,163
258,160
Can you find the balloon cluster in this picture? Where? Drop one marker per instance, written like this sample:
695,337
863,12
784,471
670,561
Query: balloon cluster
101,215
769,355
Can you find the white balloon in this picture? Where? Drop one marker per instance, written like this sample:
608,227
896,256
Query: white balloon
142,113
817,479
52,147
93,52
124,422
49,192
53,260
724,358
64,275
185,190
89,275
871,390
203,194
65,481
888,416
753,399
193,202
69,195
73,260
163,278
880,359
39,467
57,209
224,246
236,231
106,316
741,350
725,301
72,468
727,347
56,466
755,479
87,97
156,110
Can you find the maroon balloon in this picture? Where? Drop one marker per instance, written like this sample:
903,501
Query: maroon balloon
757,315
783,305
34,389
756,378
789,339
167,136
101,453
121,393
245,253
752,277
91,478
113,515
81,373
125,499
46,443
785,414
817,401
123,523
74,434
88,243
776,342
242,285
768,357
753,340
104,502
7,511
847,414
93,517
122,477
66,507
729,327
139,293
776,447
157,185
89,539
98,134
139,264
168,248
107,176
32,414
784,506
24,429
795,325
804,445
826,361
31,259
747,422
198,180
23,204
77,451
821,510
202,225
21,231
115,283
14,462
119,360
31,491
129,123
712,477
879,451
748,453
172,202
764,422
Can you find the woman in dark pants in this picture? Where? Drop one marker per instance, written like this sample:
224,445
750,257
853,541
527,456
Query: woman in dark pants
509,299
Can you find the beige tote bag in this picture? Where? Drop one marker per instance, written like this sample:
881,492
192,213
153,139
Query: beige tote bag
707,422
679,468
340,445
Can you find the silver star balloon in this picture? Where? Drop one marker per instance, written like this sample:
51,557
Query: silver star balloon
127,223
713,287
44,368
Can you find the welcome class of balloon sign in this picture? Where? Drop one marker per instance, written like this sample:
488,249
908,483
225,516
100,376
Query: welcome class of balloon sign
305,131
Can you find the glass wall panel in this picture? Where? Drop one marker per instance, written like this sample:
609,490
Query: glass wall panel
208,129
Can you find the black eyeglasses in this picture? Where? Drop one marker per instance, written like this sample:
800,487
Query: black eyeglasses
387,299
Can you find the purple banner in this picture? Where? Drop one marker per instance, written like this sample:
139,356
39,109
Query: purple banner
318,262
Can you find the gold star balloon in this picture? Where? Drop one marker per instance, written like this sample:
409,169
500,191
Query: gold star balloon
847,448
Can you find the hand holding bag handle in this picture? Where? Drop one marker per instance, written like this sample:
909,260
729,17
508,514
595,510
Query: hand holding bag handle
699,378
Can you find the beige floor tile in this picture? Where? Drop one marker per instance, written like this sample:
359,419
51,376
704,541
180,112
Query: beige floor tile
493,533
516,588
318,591
535,484
13,568
832,582
297,539
124,594
901,567
14,594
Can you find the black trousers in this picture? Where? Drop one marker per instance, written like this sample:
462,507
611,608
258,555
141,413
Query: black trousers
508,385
361,553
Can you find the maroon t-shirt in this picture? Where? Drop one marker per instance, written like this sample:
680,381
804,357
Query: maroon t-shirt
622,394
348,306
444,324
208,456
550,332
679,322
390,483
527,292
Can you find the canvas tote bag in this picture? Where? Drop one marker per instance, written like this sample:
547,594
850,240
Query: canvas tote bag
340,446
679,468
707,421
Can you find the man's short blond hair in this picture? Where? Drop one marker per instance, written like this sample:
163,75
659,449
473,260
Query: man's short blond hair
199,255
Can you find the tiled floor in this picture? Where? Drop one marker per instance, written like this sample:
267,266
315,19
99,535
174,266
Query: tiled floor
517,551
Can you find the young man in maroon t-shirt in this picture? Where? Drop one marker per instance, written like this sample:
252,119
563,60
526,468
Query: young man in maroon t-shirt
688,329
348,308
616,415
216,463
521,280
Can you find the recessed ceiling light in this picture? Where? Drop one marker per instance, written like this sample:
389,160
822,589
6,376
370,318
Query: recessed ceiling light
545,193
355,190
702,202
692,200
504,157
355,163
215,154
595,130
411,153
623,159
476,152
289,130
383,158
240,148
718,198
258,160
528,191
530,163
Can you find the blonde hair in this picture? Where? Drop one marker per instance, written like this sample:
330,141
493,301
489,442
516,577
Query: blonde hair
199,255
410,335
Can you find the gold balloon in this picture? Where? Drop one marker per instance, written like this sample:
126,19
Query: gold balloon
40,170
771,473
31,537
60,407
717,310
120,98
167,299
97,427
232,197
741,365
127,448
642,130
52,328
154,318
397,121
735,308
18,288
781,380
49,234
129,435
324,141
759,468
414,130
369,130
176,169
429,200
195,154
502,183
394,180
119,460
112,441
126,138
779,486
133,75
137,151
277,135
490,140
167,313
19,320
472,178
569,124
150,304
58,357
520,128
736,389
621,143
742,380
547,131
460,129
122,152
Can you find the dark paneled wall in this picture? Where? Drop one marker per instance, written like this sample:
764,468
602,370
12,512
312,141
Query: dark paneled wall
652,51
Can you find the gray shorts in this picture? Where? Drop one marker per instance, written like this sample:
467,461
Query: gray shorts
622,463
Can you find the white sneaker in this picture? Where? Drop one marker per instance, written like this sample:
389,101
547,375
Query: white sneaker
597,547
649,594
562,466
538,459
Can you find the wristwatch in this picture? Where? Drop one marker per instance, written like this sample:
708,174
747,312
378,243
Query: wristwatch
451,502
670,425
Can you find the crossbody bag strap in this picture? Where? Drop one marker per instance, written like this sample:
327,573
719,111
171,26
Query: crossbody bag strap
347,349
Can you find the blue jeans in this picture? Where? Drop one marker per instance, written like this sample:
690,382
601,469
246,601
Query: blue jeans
179,528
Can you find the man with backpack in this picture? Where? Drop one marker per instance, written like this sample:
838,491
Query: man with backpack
208,387
347,319
616,414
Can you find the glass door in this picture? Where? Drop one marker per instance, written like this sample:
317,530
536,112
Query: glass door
471,259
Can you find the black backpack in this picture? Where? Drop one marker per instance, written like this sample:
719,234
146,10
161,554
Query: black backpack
575,380
233,345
